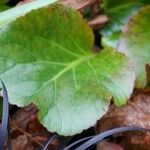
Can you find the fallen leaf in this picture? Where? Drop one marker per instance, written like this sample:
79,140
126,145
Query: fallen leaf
24,124
21,143
98,21
108,146
78,4
24,116
135,113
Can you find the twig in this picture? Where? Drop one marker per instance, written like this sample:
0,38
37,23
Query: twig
28,135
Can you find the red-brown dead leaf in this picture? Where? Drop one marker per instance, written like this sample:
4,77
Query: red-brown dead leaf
76,4
135,113
24,116
109,146
25,122
79,4
98,21
21,143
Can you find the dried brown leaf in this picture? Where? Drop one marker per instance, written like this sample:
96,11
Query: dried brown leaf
98,21
135,113
25,123
21,143
108,146
78,4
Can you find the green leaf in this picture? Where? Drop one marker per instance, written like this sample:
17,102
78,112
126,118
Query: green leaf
3,2
4,7
46,59
119,12
135,43
111,40
10,15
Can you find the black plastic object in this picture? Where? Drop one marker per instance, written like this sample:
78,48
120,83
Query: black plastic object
77,142
55,136
102,136
5,119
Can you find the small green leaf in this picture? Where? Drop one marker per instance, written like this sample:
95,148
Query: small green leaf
135,43
46,59
118,11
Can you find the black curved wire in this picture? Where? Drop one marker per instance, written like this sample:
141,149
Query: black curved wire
77,142
50,140
5,117
9,138
102,136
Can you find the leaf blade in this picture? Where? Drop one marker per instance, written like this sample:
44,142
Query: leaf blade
70,84
10,15
134,42
119,12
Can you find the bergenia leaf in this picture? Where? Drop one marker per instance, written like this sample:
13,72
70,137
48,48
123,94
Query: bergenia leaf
3,2
7,16
118,11
3,5
46,59
135,43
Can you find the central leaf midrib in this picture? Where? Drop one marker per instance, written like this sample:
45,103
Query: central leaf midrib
68,67
72,65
